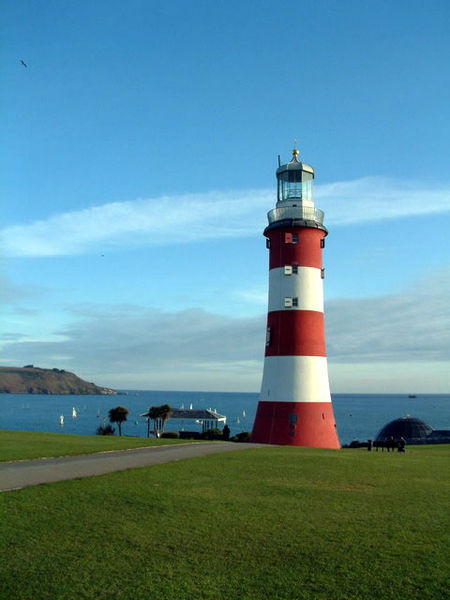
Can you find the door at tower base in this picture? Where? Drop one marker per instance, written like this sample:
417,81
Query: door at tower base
296,424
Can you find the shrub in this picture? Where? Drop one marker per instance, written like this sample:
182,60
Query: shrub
190,435
243,436
212,434
105,429
355,444
170,434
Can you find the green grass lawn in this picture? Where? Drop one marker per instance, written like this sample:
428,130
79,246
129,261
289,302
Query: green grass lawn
271,523
20,445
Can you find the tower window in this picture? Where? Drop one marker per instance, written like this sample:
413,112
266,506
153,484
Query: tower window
291,238
267,243
290,302
322,273
290,269
268,336
322,243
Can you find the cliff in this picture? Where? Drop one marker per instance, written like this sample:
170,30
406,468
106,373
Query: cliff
33,380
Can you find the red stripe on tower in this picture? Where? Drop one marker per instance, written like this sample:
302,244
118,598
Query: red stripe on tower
295,403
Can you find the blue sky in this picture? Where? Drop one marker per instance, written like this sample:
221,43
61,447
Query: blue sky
138,164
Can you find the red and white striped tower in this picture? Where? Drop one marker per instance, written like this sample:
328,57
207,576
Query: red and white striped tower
295,403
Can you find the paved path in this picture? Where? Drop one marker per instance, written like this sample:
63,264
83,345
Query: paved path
20,474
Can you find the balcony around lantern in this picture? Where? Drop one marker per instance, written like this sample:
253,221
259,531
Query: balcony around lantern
296,213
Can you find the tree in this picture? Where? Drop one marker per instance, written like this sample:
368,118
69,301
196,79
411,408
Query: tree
165,413
159,415
118,415
153,415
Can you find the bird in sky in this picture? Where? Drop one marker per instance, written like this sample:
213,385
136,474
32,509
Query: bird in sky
23,63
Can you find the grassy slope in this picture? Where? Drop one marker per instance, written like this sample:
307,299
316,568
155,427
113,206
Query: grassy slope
272,523
19,445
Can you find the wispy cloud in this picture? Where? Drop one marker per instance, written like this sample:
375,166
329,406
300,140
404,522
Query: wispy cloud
380,198
212,215
193,349
12,294
139,222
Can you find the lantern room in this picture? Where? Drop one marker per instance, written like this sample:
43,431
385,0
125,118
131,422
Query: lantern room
295,182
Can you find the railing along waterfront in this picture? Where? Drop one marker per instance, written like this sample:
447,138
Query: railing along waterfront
303,213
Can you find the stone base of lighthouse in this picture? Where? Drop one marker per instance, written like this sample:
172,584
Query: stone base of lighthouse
296,424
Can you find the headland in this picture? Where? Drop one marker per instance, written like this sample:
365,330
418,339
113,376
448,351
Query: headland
34,380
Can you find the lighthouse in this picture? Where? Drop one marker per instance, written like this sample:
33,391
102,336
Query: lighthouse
295,406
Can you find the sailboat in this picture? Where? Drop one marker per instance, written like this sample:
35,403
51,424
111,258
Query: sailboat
74,412
61,420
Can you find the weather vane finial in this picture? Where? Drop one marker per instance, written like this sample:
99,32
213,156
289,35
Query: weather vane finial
295,152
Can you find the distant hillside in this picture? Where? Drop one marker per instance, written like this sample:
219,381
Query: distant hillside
33,380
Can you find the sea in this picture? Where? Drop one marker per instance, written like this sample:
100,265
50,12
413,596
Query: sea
358,416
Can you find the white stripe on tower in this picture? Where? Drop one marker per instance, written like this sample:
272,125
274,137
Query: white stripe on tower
303,283
304,377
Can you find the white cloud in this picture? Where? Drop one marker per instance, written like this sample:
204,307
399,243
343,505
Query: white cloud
212,215
191,349
134,347
380,198
138,222
412,325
